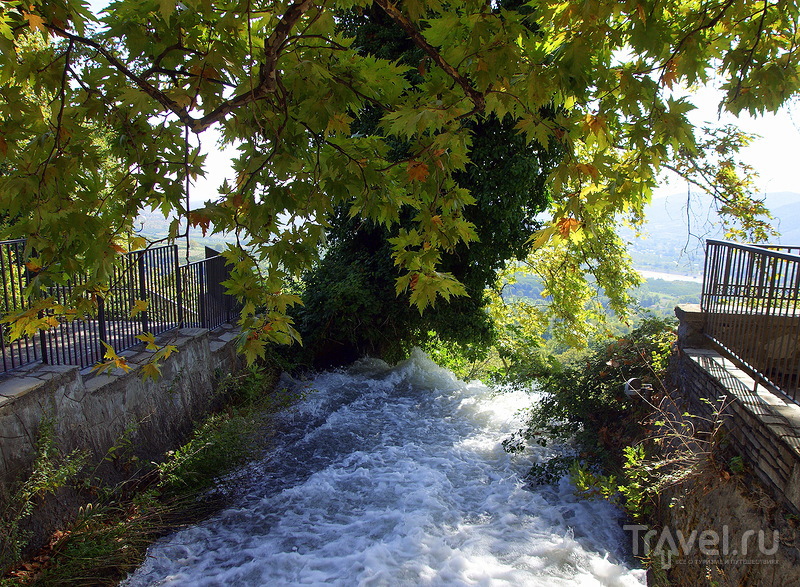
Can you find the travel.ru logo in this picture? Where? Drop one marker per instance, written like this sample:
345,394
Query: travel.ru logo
704,546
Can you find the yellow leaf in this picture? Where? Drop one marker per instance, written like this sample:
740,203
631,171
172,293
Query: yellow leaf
149,339
542,237
151,371
138,242
169,349
138,307
110,352
35,22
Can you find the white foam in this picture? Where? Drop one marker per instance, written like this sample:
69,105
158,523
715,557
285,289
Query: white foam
396,476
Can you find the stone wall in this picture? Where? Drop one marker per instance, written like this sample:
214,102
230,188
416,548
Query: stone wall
94,412
761,426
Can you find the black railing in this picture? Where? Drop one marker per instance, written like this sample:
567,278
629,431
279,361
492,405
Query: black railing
14,275
174,296
205,303
751,301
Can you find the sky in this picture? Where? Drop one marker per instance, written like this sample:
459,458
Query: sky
774,155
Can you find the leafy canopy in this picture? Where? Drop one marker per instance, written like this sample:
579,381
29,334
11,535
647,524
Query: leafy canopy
350,306
97,114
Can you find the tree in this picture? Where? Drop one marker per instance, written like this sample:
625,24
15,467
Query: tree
350,305
101,118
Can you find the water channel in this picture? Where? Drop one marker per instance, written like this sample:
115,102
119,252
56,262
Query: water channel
396,476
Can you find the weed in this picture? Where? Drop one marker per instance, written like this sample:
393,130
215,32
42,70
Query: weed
109,538
51,471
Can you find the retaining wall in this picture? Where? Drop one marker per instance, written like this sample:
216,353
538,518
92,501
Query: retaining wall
763,427
94,412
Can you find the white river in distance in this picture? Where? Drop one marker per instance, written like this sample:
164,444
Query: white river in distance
394,476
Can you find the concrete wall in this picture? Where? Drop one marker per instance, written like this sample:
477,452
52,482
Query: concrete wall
763,427
94,412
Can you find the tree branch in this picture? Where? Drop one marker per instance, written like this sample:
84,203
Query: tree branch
421,42
267,74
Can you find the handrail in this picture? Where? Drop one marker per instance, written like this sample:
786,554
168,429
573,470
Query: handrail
760,249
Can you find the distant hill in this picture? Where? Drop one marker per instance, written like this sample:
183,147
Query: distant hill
677,228
153,225
676,231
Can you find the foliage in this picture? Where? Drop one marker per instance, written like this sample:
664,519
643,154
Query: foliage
586,401
351,296
225,439
678,447
521,325
104,117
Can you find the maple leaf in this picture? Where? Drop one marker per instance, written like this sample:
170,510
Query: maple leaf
151,371
567,225
35,22
33,265
588,169
595,123
197,218
138,307
149,339
417,171
670,74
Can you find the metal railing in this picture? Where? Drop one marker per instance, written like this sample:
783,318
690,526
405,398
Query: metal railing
14,278
205,303
751,299
177,296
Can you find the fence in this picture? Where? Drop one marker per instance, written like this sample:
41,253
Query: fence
750,301
178,296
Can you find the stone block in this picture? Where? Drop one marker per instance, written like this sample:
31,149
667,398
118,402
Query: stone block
226,336
15,387
97,381
792,488
192,332
791,412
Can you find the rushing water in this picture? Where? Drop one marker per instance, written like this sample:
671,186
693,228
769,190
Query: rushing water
396,476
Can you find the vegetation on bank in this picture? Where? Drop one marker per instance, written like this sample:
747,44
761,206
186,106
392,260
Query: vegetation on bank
108,537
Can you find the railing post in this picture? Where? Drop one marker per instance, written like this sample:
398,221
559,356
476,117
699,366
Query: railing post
143,290
101,325
178,287
202,297
43,343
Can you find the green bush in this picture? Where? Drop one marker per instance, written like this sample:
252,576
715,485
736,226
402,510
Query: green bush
585,401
